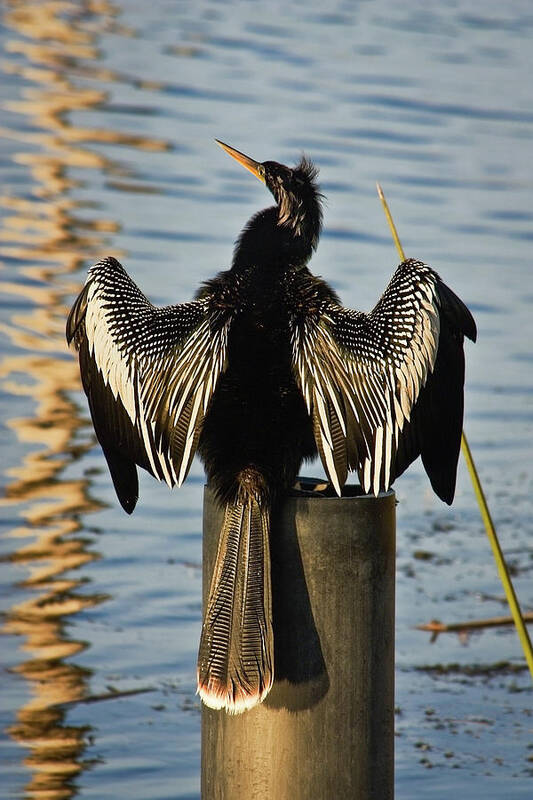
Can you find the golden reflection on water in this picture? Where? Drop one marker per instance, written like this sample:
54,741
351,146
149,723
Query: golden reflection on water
42,235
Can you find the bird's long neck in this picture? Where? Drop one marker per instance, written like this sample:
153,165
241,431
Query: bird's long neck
269,241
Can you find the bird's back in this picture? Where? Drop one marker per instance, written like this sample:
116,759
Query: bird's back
257,414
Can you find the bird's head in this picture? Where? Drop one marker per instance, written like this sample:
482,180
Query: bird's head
298,216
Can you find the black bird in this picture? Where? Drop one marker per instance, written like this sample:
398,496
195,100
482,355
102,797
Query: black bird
258,373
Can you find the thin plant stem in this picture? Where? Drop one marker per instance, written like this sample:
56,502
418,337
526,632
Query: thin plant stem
482,502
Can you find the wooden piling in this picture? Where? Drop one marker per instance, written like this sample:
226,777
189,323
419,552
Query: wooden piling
326,730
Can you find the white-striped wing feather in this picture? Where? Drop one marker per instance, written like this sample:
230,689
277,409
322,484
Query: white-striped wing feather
361,374
162,364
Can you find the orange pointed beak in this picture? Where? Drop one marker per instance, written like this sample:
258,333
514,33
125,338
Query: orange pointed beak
255,167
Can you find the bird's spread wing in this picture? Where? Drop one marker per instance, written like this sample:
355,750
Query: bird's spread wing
149,374
377,385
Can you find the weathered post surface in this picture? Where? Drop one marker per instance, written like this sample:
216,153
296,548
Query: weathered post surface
326,730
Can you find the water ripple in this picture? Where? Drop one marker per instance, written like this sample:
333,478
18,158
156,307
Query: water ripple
444,109
267,51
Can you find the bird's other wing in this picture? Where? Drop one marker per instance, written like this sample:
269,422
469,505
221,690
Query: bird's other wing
385,387
149,374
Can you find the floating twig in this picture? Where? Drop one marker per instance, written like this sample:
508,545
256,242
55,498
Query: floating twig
113,694
436,627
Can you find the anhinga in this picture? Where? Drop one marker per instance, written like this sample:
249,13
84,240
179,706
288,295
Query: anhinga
258,373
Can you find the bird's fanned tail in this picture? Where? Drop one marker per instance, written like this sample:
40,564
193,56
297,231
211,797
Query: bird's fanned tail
235,661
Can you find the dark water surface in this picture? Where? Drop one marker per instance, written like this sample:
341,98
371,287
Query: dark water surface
108,117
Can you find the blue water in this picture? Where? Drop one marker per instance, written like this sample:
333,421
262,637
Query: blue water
108,117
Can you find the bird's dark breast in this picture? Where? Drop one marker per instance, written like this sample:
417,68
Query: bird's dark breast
257,418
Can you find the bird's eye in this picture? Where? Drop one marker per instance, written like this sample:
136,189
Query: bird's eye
261,170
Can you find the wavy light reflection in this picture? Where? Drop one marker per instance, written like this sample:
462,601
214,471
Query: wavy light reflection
55,43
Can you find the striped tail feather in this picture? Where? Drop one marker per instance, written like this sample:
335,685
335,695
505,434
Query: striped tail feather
236,656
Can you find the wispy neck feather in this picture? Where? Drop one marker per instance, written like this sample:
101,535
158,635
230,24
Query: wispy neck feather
299,202
285,235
